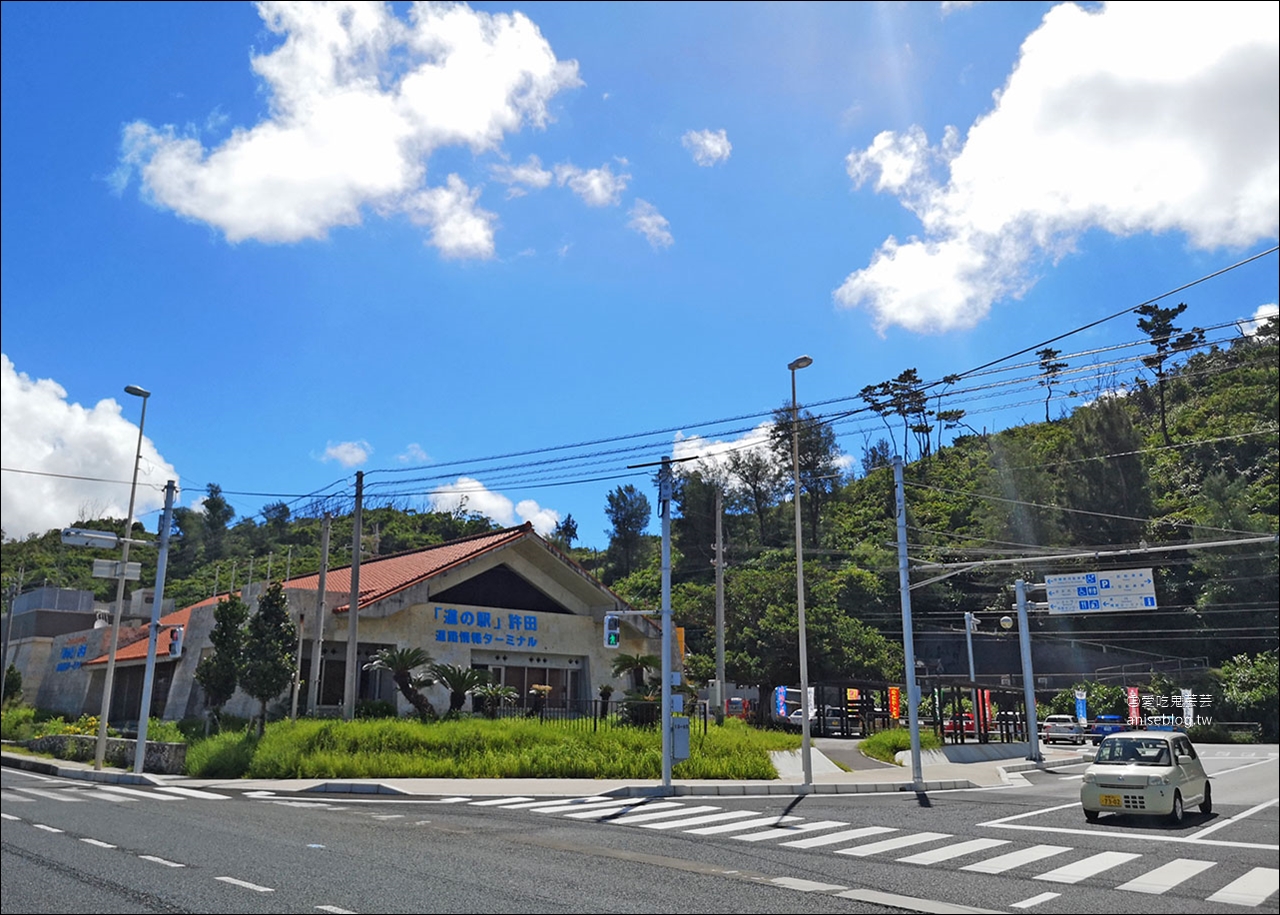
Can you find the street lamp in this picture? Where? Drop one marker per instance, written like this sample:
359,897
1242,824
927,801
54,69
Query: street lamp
806,754
100,749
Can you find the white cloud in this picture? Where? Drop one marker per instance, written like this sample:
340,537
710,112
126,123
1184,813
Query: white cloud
646,220
359,99
413,454
43,432
1251,326
597,187
713,456
459,228
709,147
348,454
528,174
1133,118
468,494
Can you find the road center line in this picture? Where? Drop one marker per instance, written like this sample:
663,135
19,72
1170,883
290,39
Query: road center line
248,886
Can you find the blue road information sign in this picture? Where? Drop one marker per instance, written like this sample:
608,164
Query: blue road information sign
1101,592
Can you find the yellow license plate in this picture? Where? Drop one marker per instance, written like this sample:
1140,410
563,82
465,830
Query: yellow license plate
1110,800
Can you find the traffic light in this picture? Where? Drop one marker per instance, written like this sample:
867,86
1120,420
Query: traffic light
612,631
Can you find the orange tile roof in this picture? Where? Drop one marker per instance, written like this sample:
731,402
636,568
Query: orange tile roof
137,649
380,578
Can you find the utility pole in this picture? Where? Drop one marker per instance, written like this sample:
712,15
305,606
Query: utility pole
317,645
908,638
720,674
1028,675
153,635
664,497
353,609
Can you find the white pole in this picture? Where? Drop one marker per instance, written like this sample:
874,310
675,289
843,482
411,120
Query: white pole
1028,676
100,748
806,744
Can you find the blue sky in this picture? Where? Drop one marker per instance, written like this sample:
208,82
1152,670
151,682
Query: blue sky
407,239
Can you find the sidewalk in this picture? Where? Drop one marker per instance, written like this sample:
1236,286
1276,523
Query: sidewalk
939,772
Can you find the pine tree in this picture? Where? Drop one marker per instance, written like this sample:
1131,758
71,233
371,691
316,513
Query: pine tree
219,673
268,659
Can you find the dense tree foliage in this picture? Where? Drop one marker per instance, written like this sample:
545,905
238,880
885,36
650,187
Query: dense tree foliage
1102,478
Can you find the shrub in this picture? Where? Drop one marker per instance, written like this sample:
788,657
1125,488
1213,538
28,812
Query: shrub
885,744
225,755
375,708
17,723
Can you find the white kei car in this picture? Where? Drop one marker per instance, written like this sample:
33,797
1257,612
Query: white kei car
1151,773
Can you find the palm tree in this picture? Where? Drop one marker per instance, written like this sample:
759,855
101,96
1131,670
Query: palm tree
493,696
635,666
459,681
402,662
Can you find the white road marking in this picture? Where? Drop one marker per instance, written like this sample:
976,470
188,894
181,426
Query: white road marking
700,820
53,795
844,836
1088,867
913,903
194,792
545,802
163,861
46,828
248,886
604,813
10,816
637,818
1002,863
740,826
495,801
1253,889
875,848
334,910
1033,813
604,806
806,886
98,843
1227,822
1167,876
134,792
784,831
947,852
1034,900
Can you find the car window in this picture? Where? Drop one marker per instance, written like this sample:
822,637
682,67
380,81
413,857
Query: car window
1184,748
1143,751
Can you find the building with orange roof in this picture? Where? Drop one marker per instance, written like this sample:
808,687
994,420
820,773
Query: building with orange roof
506,602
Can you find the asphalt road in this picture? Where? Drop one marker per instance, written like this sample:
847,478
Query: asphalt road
1024,847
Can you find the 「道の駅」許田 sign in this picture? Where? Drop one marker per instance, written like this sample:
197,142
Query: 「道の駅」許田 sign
1101,592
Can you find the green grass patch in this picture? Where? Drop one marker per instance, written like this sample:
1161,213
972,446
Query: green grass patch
479,748
885,744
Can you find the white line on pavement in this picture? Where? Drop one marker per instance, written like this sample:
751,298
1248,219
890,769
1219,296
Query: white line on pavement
1167,876
1253,889
1088,867
248,886
1034,900
1239,816
155,860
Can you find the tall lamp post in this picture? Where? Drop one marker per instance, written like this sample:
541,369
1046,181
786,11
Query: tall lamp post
101,747
806,754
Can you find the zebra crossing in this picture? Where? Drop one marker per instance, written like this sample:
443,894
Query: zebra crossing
1062,864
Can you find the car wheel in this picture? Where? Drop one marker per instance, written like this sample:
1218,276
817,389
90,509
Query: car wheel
1175,815
1206,806
1091,816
